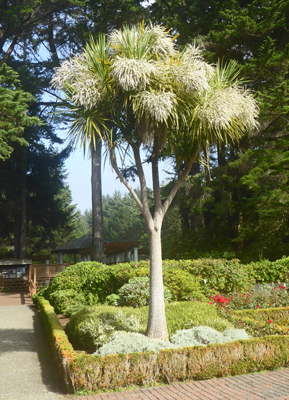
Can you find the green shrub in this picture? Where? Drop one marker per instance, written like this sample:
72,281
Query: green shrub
136,293
73,309
223,276
270,272
42,292
64,298
92,327
182,285
185,315
112,300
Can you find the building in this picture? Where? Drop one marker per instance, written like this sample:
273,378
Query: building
114,252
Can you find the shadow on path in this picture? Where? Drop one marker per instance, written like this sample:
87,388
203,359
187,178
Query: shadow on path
28,370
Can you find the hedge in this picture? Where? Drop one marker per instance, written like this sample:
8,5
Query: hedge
62,349
92,373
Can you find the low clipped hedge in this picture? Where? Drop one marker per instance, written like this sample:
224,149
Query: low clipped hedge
62,349
190,363
91,373
263,322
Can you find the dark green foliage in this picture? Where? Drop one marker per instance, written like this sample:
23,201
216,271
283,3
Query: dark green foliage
14,111
62,299
236,197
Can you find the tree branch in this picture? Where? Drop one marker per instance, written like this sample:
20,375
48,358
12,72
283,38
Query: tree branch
143,186
124,181
180,180
156,180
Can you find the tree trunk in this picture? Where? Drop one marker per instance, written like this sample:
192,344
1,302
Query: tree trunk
157,325
96,191
22,227
20,220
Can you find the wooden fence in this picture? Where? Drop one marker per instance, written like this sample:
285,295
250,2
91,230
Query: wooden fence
40,275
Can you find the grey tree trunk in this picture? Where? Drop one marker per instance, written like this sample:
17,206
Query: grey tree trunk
22,238
20,220
96,192
157,325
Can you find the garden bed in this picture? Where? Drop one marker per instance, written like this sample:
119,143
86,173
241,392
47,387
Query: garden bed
89,372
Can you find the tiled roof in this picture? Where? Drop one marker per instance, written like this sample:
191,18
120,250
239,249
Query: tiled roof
81,243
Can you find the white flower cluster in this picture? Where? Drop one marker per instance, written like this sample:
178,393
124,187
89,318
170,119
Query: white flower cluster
132,74
158,105
164,44
76,76
224,106
191,71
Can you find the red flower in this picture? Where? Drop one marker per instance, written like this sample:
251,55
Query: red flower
258,306
245,301
282,287
270,321
210,302
231,297
243,294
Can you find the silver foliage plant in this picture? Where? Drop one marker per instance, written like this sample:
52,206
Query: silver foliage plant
128,342
145,62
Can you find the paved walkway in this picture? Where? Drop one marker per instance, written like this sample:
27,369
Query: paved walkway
28,372
267,385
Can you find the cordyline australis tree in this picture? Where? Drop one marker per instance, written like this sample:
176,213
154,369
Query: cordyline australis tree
179,103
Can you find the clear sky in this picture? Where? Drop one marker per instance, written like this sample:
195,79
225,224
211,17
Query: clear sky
79,174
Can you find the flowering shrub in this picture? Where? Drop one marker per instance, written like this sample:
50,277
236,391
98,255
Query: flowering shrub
253,299
275,297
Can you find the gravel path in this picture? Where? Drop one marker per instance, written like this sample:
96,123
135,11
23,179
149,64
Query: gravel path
27,369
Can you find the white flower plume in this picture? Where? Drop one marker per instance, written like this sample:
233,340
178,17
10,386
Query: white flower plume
158,105
159,40
233,104
76,78
164,44
132,74
191,71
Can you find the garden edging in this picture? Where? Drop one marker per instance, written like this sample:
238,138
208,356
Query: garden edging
82,371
